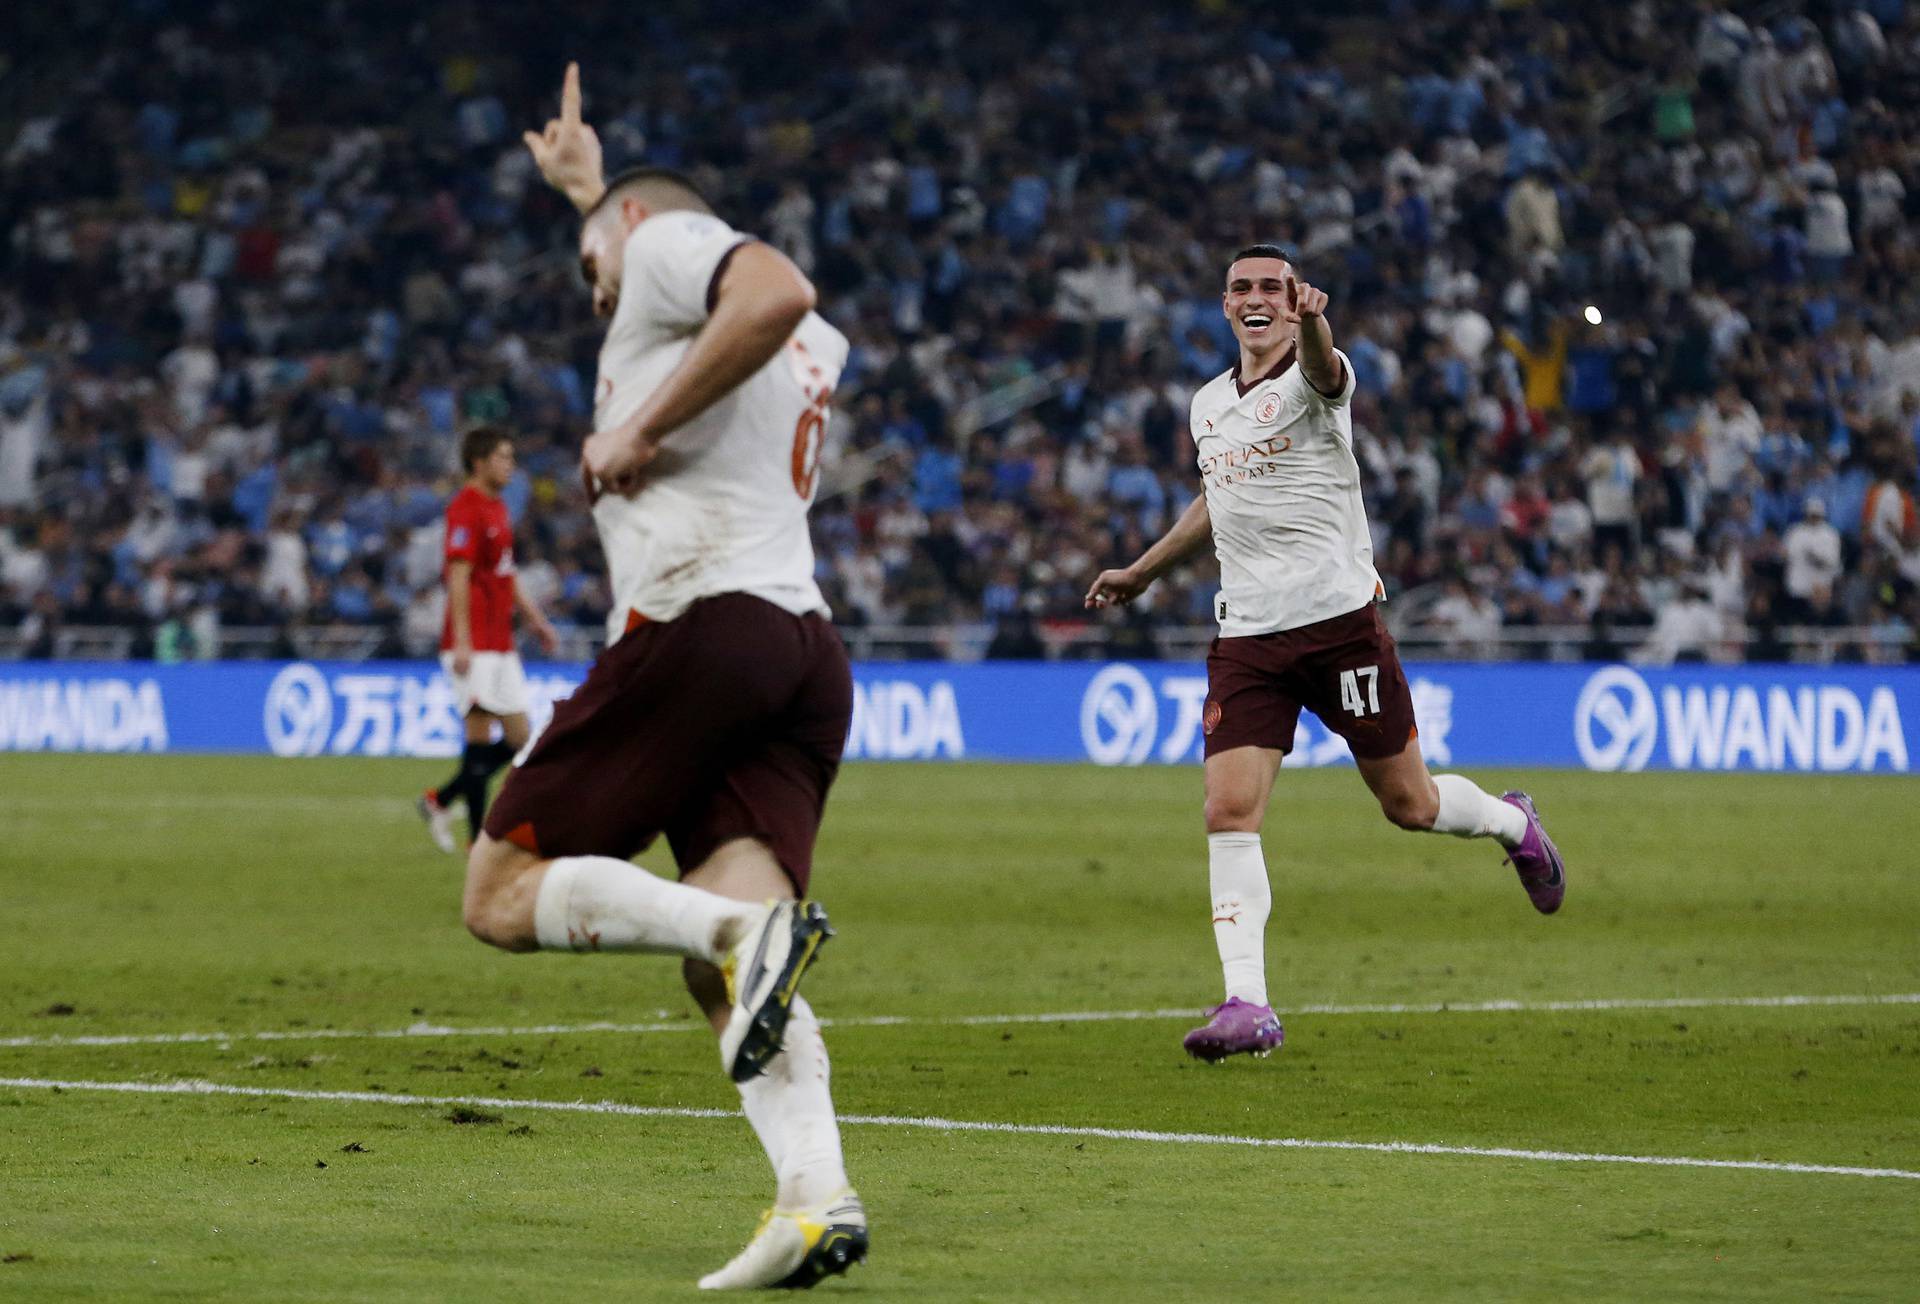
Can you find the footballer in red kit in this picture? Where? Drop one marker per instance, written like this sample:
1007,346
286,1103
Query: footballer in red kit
476,639
480,534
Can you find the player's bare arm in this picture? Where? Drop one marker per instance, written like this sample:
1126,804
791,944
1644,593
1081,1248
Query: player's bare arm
460,612
567,149
761,300
1305,308
537,620
1190,535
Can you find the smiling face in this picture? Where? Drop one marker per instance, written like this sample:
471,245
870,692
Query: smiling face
1256,290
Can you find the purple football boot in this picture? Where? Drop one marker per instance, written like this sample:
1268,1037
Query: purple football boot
1235,1028
1536,859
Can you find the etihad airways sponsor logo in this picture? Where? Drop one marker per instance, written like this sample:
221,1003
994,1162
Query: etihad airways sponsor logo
1239,465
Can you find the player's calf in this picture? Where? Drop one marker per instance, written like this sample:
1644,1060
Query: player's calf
1401,784
519,902
1411,807
708,987
503,883
1238,786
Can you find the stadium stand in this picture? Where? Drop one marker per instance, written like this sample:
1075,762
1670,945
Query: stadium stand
1638,351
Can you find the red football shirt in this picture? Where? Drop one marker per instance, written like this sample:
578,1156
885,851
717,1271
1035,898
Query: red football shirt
479,531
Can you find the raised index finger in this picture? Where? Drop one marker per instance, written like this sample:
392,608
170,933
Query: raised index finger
570,94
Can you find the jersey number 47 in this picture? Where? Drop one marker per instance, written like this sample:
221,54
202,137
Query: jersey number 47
1351,682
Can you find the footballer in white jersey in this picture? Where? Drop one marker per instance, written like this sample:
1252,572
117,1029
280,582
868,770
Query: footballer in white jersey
1283,492
717,714
723,508
1299,628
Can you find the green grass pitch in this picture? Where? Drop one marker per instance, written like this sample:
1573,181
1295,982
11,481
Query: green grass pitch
152,896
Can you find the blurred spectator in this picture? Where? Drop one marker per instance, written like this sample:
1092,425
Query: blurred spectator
1016,639
246,305
1688,628
1813,555
1828,242
1533,220
1612,474
1469,616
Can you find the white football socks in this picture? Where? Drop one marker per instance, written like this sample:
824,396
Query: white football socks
597,903
762,1100
791,1109
1468,812
1237,871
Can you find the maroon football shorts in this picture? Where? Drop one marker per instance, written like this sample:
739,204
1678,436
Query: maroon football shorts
725,723
1345,670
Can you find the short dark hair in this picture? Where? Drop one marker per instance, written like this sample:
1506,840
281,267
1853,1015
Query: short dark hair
658,179
478,444
1259,251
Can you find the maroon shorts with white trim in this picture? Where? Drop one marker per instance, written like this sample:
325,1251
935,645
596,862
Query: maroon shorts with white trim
727,722
1345,670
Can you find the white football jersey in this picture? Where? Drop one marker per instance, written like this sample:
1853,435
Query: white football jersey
1283,489
724,505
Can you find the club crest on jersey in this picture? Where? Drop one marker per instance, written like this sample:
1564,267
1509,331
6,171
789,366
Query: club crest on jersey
459,539
1267,408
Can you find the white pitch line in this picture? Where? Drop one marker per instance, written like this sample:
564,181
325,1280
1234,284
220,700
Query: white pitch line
934,1124
958,1021
349,1034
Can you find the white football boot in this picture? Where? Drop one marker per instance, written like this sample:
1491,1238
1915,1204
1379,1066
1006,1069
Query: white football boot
763,972
439,821
798,1249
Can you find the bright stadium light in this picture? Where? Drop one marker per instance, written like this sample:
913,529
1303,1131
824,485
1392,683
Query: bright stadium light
1592,315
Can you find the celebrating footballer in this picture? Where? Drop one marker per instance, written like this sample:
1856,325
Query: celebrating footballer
1300,627
717,714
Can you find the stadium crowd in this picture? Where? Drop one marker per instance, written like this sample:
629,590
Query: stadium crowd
1632,293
